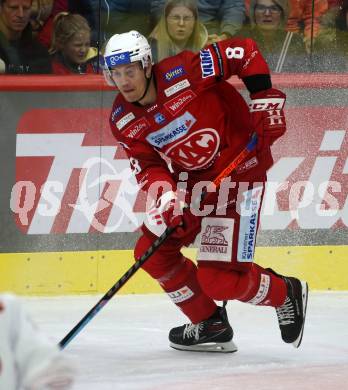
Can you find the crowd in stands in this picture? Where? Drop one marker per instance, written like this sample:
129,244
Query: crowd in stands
65,36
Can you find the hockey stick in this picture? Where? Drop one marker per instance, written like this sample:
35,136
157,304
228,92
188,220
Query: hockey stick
157,243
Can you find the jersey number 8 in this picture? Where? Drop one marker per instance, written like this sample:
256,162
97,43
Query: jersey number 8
235,52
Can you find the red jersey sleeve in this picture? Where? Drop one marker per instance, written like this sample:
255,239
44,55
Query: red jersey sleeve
234,56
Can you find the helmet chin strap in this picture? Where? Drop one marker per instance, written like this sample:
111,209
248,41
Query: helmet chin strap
148,81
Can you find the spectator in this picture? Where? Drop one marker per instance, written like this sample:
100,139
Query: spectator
40,12
222,18
85,8
283,51
71,45
19,50
177,30
305,17
342,34
124,15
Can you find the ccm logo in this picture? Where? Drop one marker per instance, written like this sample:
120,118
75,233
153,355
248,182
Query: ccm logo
266,104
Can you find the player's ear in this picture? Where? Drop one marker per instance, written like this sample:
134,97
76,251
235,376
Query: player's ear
148,70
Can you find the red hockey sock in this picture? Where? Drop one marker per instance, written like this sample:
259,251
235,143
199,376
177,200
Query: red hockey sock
177,275
257,286
184,290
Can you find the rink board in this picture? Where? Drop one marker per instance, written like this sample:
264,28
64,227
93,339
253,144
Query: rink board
324,267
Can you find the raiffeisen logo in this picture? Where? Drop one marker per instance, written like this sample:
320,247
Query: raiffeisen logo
174,73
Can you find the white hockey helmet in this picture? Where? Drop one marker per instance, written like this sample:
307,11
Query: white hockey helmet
124,49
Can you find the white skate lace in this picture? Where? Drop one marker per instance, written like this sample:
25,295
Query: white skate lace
285,313
192,330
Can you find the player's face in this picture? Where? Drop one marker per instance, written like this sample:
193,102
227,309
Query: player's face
268,14
130,80
180,23
15,14
76,49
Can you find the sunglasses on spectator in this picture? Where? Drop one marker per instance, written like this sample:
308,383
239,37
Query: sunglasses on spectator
274,9
178,18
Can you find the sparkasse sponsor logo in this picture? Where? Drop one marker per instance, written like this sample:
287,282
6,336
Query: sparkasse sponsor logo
173,131
179,102
248,224
174,73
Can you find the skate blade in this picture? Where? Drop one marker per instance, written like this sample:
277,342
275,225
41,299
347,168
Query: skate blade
298,341
227,347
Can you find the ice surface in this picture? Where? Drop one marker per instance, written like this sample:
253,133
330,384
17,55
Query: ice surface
125,347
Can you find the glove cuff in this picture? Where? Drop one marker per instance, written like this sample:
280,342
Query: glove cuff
269,99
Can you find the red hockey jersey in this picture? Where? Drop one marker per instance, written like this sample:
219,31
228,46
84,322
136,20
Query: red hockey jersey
198,123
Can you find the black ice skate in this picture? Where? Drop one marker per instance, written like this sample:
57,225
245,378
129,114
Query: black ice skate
212,335
292,314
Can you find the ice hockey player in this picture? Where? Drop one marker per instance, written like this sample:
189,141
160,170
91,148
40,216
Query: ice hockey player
28,360
181,123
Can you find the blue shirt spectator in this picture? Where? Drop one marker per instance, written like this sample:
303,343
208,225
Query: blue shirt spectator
119,16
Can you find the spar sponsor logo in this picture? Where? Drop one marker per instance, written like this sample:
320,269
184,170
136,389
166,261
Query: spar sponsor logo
125,120
177,87
248,224
173,131
216,239
137,128
207,63
174,73
181,295
179,102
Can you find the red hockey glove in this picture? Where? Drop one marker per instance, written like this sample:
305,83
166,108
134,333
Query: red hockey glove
268,117
169,211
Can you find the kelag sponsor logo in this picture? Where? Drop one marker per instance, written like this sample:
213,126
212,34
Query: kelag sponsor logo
136,128
159,118
207,63
179,102
176,129
174,73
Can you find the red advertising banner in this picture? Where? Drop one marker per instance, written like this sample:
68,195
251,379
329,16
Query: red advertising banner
72,178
